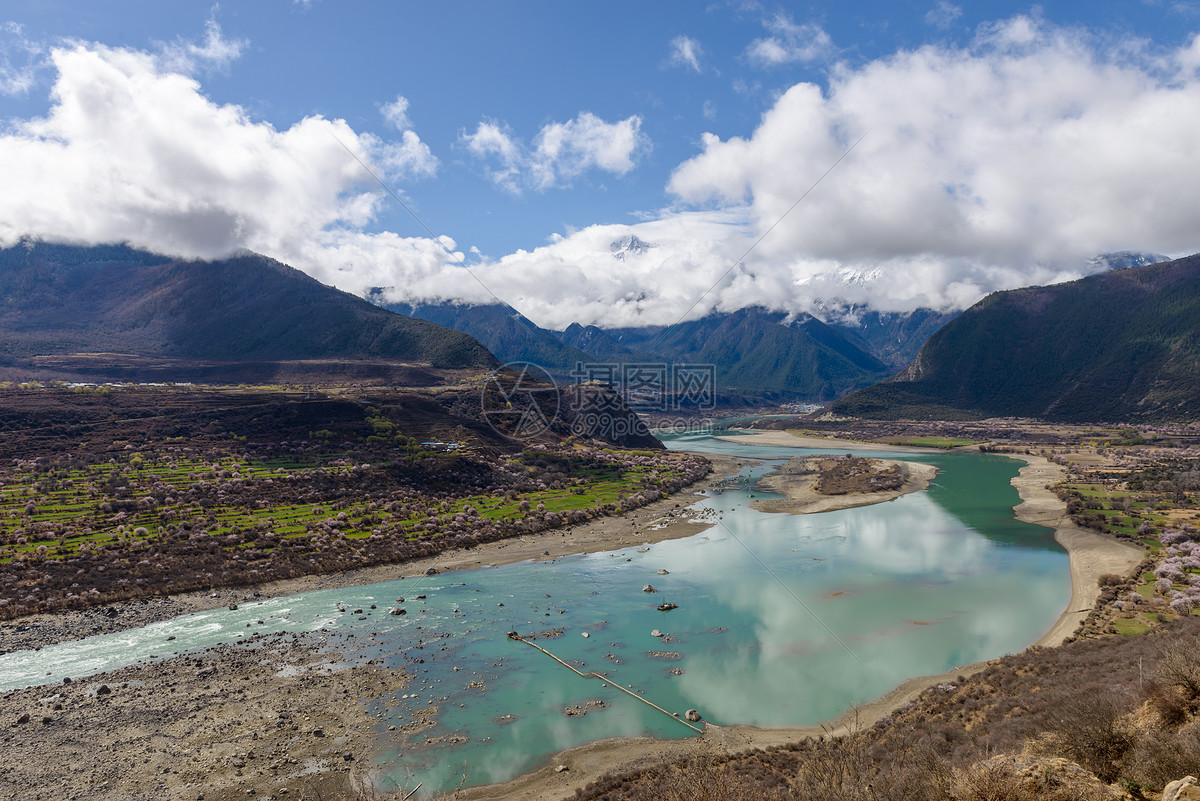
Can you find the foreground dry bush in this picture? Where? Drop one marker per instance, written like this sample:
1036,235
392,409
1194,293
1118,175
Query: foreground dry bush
1007,779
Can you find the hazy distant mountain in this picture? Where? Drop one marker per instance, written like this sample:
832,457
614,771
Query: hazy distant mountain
756,351
57,300
892,337
603,345
511,336
896,337
1119,345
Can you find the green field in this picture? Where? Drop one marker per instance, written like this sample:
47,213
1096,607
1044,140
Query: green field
946,443
56,512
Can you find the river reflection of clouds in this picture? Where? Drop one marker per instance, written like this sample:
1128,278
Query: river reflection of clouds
905,586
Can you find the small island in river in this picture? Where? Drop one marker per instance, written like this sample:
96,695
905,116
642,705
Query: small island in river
825,483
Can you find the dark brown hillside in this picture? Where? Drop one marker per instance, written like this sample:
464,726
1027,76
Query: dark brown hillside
1120,345
57,300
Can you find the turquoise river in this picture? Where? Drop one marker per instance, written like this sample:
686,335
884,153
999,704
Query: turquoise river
855,602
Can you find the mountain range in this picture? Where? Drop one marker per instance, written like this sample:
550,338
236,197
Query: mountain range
1119,345
59,304
758,355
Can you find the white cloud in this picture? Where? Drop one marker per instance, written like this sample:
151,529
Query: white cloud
561,151
1189,57
396,113
410,158
789,43
493,141
1000,165
1004,163
131,152
685,52
943,15
215,52
20,58
577,279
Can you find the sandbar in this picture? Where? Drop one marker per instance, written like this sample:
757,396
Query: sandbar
801,497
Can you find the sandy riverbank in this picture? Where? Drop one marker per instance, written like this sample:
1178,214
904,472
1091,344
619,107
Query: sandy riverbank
656,522
273,716
1090,556
784,439
802,498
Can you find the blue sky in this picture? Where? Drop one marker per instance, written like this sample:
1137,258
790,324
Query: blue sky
534,134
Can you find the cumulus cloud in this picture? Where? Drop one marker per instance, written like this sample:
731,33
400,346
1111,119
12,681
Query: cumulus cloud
1002,163
407,160
560,152
410,158
494,142
789,43
685,52
131,152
